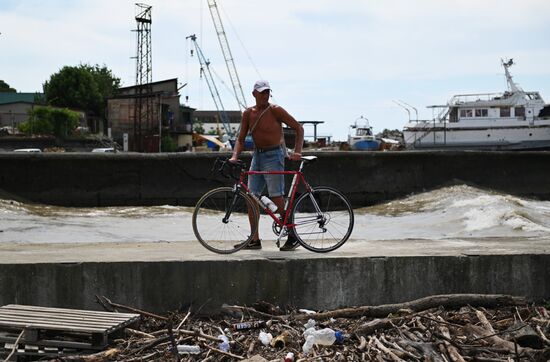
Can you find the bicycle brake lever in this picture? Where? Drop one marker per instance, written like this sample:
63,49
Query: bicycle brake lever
214,166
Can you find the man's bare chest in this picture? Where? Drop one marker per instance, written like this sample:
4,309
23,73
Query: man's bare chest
264,121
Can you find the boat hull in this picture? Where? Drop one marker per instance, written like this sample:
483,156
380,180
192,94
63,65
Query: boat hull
524,137
365,145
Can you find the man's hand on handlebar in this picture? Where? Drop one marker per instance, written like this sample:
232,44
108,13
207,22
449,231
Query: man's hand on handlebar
295,156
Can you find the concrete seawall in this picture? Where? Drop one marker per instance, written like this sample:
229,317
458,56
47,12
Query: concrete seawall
169,276
84,179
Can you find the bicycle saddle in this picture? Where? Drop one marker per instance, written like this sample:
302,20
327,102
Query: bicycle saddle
309,159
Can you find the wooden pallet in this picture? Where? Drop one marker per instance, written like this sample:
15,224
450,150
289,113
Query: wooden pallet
61,328
35,352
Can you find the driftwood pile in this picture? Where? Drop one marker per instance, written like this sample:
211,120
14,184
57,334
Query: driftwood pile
464,327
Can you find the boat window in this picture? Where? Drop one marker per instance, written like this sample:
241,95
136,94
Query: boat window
482,112
504,111
363,132
466,113
519,111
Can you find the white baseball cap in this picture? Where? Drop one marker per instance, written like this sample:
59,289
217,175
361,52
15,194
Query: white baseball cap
261,85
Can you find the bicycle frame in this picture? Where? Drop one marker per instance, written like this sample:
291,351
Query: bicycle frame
297,179
319,218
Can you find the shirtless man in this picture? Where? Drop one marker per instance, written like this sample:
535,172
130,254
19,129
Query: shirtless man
264,122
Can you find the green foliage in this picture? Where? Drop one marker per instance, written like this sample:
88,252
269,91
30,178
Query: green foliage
5,87
198,128
167,144
50,121
39,99
85,87
106,82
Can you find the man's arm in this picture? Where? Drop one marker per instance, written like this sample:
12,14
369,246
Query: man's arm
239,143
287,119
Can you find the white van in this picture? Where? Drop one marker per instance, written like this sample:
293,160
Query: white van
104,150
32,150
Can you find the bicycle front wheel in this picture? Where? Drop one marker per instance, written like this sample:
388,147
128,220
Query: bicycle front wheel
225,221
323,219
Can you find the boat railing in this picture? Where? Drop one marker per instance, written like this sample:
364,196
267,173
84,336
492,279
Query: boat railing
427,127
467,98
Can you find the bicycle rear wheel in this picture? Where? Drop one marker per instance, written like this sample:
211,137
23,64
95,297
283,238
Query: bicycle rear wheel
323,219
224,221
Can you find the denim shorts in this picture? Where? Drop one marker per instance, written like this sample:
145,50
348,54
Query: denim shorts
272,160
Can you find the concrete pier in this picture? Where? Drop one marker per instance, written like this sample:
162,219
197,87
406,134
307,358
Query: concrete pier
161,276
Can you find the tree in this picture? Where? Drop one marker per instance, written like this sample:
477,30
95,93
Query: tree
86,87
5,87
198,127
107,83
50,121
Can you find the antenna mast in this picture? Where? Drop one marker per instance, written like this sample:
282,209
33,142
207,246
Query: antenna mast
511,84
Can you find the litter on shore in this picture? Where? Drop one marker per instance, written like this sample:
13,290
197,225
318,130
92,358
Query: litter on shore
456,327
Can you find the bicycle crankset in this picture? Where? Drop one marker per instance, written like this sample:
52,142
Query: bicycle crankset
277,229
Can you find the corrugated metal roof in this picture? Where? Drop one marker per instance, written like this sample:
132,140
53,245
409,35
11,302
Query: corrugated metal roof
17,97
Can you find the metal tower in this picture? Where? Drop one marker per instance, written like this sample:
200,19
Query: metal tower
144,107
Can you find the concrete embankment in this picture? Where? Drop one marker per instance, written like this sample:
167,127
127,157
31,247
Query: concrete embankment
85,179
168,276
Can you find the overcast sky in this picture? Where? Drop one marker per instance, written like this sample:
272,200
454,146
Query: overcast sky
326,60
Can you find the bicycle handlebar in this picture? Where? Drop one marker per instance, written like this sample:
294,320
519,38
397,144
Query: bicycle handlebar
228,169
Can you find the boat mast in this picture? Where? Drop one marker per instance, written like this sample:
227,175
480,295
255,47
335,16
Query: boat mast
511,85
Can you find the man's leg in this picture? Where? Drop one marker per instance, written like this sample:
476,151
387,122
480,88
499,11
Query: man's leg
251,219
256,184
280,202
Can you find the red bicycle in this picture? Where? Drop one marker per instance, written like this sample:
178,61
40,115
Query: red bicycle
226,218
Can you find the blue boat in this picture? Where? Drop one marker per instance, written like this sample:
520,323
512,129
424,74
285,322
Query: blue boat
363,140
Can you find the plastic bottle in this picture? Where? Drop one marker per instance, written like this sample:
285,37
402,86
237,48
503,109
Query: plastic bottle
265,338
185,348
224,345
269,204
323,337
289,357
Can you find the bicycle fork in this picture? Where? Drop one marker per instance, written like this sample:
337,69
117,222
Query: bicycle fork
225,219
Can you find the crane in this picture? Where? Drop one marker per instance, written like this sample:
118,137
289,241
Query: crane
224,44
205,69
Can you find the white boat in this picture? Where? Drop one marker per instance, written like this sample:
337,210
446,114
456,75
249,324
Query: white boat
363,139
513,120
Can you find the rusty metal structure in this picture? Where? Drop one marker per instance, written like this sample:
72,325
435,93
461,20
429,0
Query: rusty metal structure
144,103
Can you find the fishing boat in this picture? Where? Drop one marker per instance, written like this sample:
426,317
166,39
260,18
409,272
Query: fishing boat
513,120
363,139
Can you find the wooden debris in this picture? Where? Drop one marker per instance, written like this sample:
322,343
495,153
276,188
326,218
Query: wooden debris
445,301
455,328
